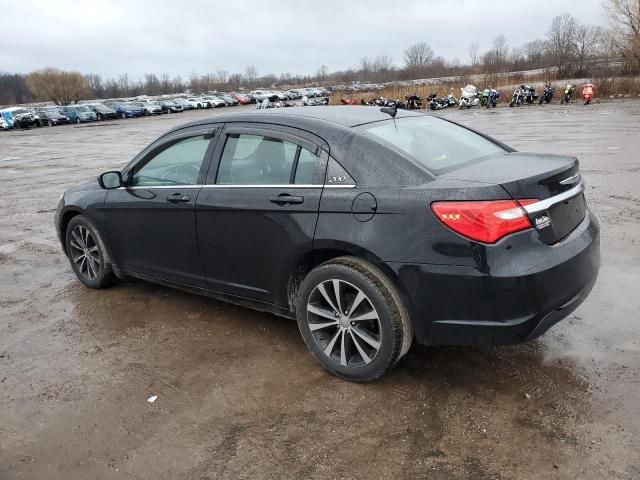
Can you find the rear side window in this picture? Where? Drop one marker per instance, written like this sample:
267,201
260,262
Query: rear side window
260,160
438,145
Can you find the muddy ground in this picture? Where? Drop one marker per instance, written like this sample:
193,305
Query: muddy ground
239,397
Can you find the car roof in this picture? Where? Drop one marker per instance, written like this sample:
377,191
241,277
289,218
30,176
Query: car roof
343,115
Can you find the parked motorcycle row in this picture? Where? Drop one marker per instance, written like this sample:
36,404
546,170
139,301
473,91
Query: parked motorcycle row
471,97
526,94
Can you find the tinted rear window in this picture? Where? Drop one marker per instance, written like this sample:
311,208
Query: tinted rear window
438,145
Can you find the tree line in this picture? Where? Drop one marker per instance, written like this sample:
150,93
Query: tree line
568,46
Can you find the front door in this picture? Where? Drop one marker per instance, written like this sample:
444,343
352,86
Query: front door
257,214
151,220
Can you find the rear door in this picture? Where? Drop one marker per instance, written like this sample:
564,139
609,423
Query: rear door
151,221
257,213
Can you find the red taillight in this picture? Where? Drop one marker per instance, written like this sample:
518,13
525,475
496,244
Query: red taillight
484,221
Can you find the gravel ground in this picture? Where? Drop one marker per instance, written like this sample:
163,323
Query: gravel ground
238,394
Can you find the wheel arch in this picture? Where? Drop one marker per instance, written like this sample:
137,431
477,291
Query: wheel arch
326,252
65,218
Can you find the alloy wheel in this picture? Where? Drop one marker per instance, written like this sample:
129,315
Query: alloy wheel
344,323
84,252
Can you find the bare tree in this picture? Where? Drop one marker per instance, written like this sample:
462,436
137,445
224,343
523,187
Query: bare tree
586,42
57,86
235,79
501,50
323,71
417,59
124,84
624,33
474,54
251,75
366,67
95,84
382,66
562,33
535,52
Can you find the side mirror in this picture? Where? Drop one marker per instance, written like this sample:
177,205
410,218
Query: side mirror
110,180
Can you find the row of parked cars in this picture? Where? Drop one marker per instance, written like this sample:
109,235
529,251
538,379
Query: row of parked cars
89,111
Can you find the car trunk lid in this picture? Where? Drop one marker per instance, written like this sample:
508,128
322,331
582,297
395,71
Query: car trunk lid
553,180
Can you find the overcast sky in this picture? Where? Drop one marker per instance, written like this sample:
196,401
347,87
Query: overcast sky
111,37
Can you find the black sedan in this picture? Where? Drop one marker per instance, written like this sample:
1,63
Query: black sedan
51,116
371,231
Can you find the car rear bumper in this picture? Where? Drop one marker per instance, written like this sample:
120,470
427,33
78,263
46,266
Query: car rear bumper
520,289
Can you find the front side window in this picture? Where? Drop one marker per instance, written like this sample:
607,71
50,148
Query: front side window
178,164
437,145
258,160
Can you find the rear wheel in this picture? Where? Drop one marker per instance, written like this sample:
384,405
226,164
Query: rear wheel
87,253
123,115
78,120
352,319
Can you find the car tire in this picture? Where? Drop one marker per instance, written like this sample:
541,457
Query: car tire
50,123
78,121
87,253
123,116
99,116
359,348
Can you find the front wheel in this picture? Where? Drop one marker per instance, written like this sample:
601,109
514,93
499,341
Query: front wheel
123,115
352,319
78,120
87,253
100,117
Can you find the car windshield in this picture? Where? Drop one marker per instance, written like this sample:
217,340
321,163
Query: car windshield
101,108
55,110
438,145
19,112
82,109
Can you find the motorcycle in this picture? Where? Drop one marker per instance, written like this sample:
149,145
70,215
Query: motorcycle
414,102
436,103
547,93
568,91
468,97
316,102
484,97
587,93
492,98
517,99
530,94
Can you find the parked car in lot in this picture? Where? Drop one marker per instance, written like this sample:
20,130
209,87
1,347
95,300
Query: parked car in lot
241,98
79,113
181,102
214,101
260,95
18,117
227,99
125,110
51,116
169,106
196,102
102,111
148,107
371,231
